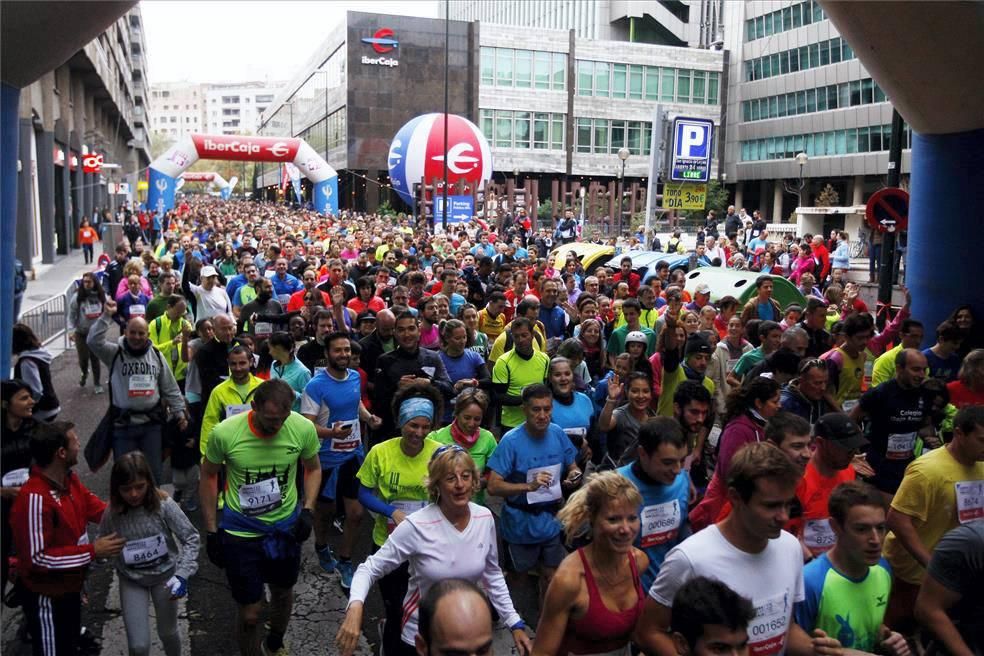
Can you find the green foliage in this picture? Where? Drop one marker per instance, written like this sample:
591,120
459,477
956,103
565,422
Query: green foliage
385,209
828,197
545,210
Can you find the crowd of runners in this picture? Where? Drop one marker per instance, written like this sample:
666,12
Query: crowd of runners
679,471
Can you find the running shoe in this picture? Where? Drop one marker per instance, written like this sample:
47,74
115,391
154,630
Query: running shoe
327,560
82,379
99,389
346,571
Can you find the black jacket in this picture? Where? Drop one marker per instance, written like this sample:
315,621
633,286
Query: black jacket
212,360
392,366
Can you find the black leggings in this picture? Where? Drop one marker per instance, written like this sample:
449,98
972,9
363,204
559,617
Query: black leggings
393,589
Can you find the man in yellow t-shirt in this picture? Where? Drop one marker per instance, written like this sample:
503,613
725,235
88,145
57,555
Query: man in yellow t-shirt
492,318
911,336
516,369
940,490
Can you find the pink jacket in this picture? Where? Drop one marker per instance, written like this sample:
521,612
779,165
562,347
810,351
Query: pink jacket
123,288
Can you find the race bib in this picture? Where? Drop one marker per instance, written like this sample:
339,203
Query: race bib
544,494
141,385
263,329
577,435
145,552
429,371
261,497
91,310
900,446
284,299
660,523
16,478
970,500
405,506
137,311
818,536
767,632
234,409
350,442
849,404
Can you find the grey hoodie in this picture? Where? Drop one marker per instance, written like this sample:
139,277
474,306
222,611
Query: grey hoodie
137,383
77,314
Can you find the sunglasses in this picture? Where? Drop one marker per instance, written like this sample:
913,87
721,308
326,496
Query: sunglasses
452,448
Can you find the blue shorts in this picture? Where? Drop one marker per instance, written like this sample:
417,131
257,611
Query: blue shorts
525,557
248,568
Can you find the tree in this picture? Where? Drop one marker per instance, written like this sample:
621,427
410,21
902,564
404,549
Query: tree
828,197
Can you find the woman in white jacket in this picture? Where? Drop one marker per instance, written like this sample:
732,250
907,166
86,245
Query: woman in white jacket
449,538
724,359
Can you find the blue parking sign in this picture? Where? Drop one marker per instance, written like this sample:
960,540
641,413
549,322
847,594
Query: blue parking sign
692,150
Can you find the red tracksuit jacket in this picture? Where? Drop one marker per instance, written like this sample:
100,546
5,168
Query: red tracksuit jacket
49,524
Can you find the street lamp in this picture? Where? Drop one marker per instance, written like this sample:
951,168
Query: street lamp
801,159
623,154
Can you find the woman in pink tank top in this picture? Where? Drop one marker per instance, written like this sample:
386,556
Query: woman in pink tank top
596,597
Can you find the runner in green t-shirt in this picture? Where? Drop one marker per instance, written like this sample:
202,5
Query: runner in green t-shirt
465,430
262,526
516,369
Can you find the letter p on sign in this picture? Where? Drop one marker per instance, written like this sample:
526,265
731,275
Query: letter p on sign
693,141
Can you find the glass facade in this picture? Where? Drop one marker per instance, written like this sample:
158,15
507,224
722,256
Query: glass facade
636,82
607,136
506,128
805,57
817,144
523,69
834,96
782,20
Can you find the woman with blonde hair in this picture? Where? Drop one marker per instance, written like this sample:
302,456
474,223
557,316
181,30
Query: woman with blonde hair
450,524
577,617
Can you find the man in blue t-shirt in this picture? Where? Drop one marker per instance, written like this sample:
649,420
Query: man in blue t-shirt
332,400
659,475
552,315
943,357
532,466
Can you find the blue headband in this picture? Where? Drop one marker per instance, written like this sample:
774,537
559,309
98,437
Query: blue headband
416,407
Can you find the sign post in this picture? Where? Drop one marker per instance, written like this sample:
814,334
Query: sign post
461,210
886,268
692,148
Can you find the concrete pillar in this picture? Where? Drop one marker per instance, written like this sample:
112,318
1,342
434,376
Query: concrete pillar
63,209
739,195
88,190
777,191
9,149
857,190
947,179
25,198
46,193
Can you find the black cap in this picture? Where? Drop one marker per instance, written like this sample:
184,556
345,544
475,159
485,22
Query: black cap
366,315
838,427
697,344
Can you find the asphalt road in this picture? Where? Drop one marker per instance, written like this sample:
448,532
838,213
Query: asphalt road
206,617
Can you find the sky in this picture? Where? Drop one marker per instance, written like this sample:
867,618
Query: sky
246,40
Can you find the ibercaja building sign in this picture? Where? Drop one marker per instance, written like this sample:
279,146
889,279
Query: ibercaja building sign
383,41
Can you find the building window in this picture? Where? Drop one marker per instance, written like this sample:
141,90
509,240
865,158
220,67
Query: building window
835,96
524,69
871,139
606,137
526,130
798,59
783,20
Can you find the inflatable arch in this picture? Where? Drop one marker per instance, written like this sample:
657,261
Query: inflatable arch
212,178
166,169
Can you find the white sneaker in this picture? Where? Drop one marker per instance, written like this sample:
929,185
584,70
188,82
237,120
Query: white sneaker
99,389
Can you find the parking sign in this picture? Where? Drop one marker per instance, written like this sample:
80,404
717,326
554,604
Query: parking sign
692,150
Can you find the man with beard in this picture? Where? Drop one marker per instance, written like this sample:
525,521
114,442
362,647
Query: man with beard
49,518
257,316
407,365
691,408
236,282
141,385
232,396
332,401
246,291
312,354
361,268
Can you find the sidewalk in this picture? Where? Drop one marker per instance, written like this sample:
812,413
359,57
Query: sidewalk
49,281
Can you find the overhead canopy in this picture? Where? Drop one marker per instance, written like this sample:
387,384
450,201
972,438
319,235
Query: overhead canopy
38,37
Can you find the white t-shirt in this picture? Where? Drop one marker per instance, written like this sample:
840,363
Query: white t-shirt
772,580
210,303
436,550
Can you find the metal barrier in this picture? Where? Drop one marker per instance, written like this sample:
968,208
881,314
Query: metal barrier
49,320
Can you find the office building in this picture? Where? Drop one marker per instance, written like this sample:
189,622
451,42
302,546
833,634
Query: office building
554,106
179,109
96,104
